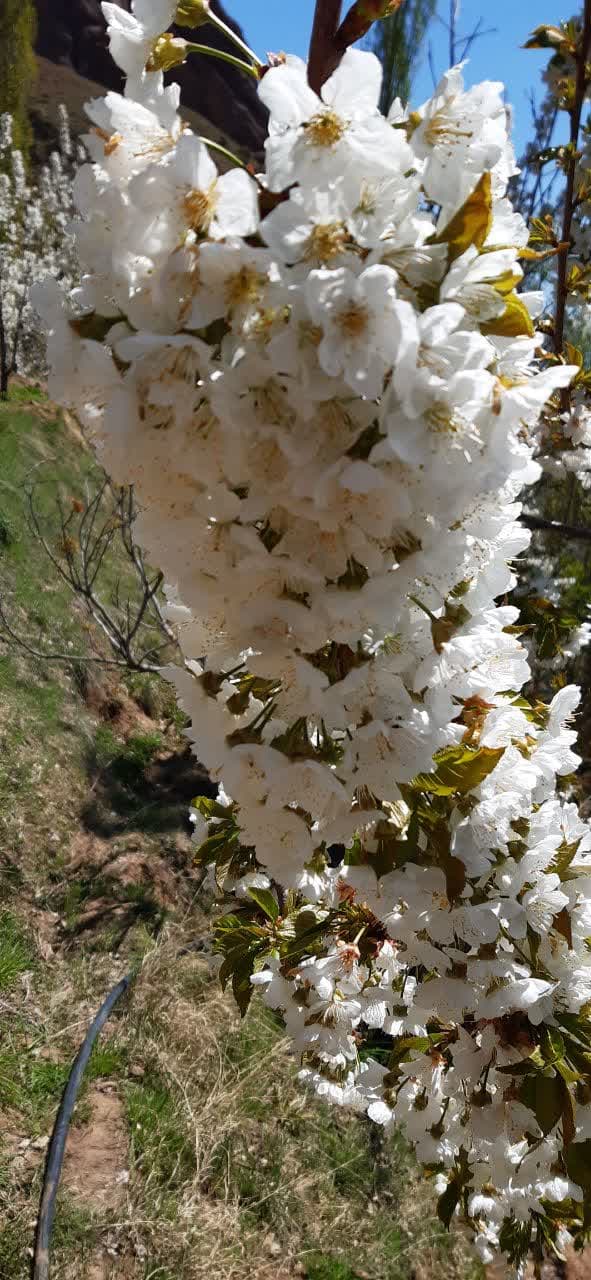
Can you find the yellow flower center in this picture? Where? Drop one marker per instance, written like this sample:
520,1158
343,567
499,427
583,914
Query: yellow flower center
442,420
353,320
111,140
327,241
427,358
244,287
199,208
309,335
325,129
265,324
271,400
442,128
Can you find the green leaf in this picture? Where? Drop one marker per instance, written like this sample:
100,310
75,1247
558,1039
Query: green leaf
564,857
535,942
515,322
301,932
527,1092
227,924
265,900
211,850
471,224
458,769
242,988
552,1045
243,943
209,808
578,1163
569,1075
506,282
391,851
549,1101
523,1068
448,1202
403,1045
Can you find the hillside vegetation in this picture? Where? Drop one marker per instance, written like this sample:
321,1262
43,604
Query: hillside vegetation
193,1152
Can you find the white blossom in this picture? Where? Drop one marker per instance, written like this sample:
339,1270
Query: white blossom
329,480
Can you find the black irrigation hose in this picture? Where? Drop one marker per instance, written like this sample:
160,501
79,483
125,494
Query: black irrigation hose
57,1145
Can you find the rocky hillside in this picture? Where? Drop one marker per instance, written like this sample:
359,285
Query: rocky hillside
55,84
72,34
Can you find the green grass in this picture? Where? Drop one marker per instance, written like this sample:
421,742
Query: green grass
46,732
326,1268
156,697
127,760
8,530
75,1234
108,1061
16,953
34,695
160,1142
19,394
12,1262
34,1085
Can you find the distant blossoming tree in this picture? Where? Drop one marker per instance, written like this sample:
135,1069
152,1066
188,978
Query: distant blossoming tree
34,242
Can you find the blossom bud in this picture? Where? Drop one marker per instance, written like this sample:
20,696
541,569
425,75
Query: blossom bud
193,13
167,51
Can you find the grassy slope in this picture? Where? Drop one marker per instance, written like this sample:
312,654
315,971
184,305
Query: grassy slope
233,1172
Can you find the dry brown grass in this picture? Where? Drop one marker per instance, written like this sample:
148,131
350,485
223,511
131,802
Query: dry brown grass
233,1171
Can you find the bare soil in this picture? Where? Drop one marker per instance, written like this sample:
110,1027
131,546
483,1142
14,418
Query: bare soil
95,1170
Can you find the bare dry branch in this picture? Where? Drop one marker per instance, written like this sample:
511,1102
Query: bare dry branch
557,526
77,538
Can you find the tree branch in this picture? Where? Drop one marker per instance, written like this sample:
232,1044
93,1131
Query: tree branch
133,623
453,18
557,526
324,57
7,632
569,197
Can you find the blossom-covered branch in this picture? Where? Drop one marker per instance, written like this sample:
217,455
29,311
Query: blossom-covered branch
329,411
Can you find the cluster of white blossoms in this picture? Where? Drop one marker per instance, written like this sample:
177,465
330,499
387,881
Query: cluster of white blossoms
34,216
324,388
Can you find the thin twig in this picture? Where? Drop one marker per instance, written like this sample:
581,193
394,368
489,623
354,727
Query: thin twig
85,536
476,34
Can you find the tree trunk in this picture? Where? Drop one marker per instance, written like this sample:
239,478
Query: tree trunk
4,360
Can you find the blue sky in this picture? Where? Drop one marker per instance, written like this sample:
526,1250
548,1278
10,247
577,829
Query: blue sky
285,25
